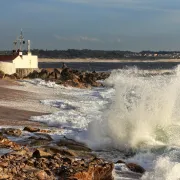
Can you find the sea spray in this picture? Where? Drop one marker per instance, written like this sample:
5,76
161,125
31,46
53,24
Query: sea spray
144,110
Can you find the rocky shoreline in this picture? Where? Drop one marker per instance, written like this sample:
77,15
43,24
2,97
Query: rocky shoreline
38,156
64,76
32,153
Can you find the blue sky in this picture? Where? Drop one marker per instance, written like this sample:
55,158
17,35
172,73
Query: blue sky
92,24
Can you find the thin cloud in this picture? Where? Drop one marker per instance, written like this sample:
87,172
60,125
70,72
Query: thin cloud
152,5
90,39
77,39
119,40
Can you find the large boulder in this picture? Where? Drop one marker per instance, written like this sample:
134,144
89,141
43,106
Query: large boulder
74,145
103,75
12,132
44,74
33,75
135,168
92,80
31,129
96,169
67,74
11,77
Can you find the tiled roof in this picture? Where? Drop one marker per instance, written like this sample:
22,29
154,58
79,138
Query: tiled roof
7,58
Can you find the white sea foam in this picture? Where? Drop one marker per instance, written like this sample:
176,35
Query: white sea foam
164,169
145,110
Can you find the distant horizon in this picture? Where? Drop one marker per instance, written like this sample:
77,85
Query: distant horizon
96,50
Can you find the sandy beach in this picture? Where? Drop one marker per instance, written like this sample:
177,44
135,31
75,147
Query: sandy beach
17,105
104,60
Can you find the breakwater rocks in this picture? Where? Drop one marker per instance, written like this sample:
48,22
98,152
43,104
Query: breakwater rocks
65,76
32,153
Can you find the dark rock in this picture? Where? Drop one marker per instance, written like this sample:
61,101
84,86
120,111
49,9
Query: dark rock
120,162
38,153
7,76
36,142
45,131
61,151
69,77
49,163
71,144
44,74
42,136
4,176
41,175
2,74
51,76
33,75
96,170
6,143
16,76
12,132
67,74
135,168
31,129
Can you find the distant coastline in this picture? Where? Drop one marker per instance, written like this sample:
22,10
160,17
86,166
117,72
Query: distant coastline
105,60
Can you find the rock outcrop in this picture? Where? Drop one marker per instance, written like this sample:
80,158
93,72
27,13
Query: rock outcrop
62,159
65,76
70,77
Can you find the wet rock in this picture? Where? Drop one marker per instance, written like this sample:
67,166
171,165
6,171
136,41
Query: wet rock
61,151
45,131
44,74
38,139
120,162
39,142
135,168
55,74
4,176
6,143
51,162
38,153
31,129
12,132
70,77
10,77
23,152
16,75
43,165
71,144
4,164
93,170
74,83
51,76
41,175
67,74
33,75
43,136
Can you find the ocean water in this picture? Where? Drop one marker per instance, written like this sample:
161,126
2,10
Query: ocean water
108,66
134,118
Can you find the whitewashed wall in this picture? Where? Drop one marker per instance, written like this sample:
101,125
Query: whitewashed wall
7,68
26,61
